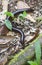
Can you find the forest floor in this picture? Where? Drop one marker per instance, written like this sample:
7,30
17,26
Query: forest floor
10,44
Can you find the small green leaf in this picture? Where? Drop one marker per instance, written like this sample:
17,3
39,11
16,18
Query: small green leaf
9,14
41,52
21,16
24,14
38,52
32,63
8,24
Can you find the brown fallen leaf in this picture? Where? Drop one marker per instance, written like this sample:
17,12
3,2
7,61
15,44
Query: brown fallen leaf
3,30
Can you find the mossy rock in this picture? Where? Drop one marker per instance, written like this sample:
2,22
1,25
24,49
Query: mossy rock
26,54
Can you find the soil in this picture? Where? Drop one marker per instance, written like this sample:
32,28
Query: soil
31,29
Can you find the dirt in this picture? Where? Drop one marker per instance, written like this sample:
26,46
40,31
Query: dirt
30,29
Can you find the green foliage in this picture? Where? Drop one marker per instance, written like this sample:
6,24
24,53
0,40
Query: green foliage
22,16
8,24
39,18
32,62
9,14
38,54
41,52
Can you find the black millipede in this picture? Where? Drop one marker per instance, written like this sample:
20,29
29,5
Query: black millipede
15,29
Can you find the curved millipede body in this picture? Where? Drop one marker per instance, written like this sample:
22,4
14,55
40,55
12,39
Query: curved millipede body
15,29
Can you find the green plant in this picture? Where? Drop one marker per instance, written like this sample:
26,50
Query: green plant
8,24
9,14
23,15
41,52
38,54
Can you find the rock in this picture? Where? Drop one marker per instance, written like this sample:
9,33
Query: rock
21,5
